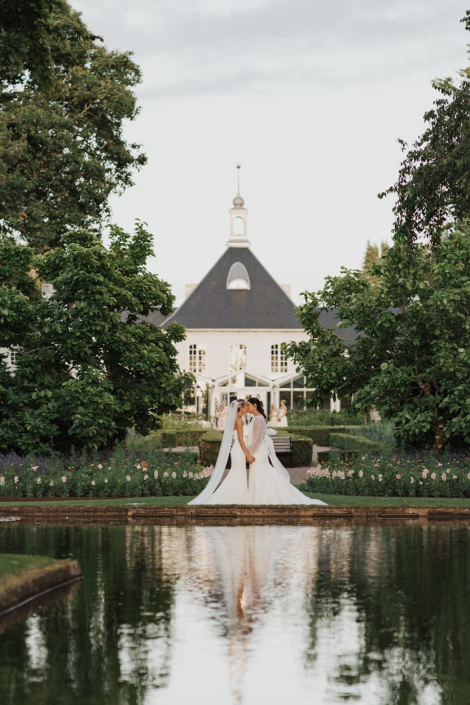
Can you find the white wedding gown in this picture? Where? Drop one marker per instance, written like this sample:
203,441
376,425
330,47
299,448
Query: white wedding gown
266,482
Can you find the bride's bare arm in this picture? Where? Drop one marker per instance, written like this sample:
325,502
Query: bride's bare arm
239,427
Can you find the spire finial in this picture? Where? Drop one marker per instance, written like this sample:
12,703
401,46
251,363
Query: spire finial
238,201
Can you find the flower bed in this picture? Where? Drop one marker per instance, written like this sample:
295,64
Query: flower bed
121,476
392,476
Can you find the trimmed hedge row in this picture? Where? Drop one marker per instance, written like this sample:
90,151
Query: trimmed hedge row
209,446
168,438
346,441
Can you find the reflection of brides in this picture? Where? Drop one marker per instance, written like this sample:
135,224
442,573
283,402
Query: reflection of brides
269,481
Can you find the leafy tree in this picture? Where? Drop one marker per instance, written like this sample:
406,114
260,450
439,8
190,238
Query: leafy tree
433,187
89,367
372,257
62,149
412,356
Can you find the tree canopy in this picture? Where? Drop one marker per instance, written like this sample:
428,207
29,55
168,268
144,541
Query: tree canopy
88,367
433,186
63,107
412,354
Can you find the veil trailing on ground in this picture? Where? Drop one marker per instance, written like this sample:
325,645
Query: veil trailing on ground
222,458
274,460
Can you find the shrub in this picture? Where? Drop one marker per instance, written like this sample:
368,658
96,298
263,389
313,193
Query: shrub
209,446
391,476
316,417
122,475
347,441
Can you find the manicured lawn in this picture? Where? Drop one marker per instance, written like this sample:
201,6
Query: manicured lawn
332,500
13,566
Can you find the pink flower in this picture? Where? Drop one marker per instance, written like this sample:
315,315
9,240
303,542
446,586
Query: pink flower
334,473
146,477
38,480
100,467
128,478
380,478
155,474
173,474
185,474
138,466
443,477
63,478
398,477
165,474
433,476
34,468
361,474
15,479
454,477
412,480
190,475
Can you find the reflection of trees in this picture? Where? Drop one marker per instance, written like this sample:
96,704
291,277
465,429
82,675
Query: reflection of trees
95,646
401,594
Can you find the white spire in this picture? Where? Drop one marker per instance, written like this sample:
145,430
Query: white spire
238,219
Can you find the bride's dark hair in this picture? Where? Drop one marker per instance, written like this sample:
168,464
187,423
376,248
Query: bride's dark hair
259,405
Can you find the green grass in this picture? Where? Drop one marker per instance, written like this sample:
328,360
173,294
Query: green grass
12,566
334,500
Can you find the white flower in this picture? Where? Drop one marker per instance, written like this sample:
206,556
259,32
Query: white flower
128,478
173,474
100,467
15,479
106,481
146,477
93,482
51,483
63,478
2,480
38,481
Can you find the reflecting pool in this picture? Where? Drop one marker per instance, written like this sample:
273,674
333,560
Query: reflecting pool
220,615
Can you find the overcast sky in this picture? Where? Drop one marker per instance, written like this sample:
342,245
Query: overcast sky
309,96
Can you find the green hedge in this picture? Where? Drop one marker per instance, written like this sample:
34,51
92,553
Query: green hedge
168,438
359,444
209,446
320,435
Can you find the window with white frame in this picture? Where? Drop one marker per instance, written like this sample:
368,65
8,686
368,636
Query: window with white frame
279,358
13,352
237,357
197,358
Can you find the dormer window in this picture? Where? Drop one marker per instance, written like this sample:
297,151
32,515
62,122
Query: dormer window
238,277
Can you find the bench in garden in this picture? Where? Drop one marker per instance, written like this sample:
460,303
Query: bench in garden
283,445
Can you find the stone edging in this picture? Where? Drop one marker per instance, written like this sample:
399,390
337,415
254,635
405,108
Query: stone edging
123,513
36,582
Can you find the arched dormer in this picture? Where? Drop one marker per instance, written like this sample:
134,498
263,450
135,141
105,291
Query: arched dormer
238,277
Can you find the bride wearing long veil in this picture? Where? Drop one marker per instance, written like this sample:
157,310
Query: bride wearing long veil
268,482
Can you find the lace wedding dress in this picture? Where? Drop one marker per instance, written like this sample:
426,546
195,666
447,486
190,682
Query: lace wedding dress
267,481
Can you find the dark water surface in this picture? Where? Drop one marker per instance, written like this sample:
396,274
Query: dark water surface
215,615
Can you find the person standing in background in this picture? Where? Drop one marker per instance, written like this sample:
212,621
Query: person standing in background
282,416
273,416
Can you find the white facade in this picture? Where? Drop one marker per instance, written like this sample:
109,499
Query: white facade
236,362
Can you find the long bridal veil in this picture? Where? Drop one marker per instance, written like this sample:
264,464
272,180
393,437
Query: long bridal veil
222,458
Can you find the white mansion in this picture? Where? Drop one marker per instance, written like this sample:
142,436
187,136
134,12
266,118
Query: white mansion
238,320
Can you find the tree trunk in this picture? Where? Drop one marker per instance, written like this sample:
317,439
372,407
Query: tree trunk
440,438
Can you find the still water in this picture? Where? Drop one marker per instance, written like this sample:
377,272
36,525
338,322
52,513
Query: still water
220,615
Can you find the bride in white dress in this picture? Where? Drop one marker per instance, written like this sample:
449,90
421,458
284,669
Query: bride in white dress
268,481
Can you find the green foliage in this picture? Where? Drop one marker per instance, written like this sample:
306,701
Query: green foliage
433,186
412,357
317,417
62,149
348,441
209,446
89,368
391,476
152,474
372,257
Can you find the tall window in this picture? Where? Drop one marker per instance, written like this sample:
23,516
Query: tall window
13,352
278,358
237,357
197,358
